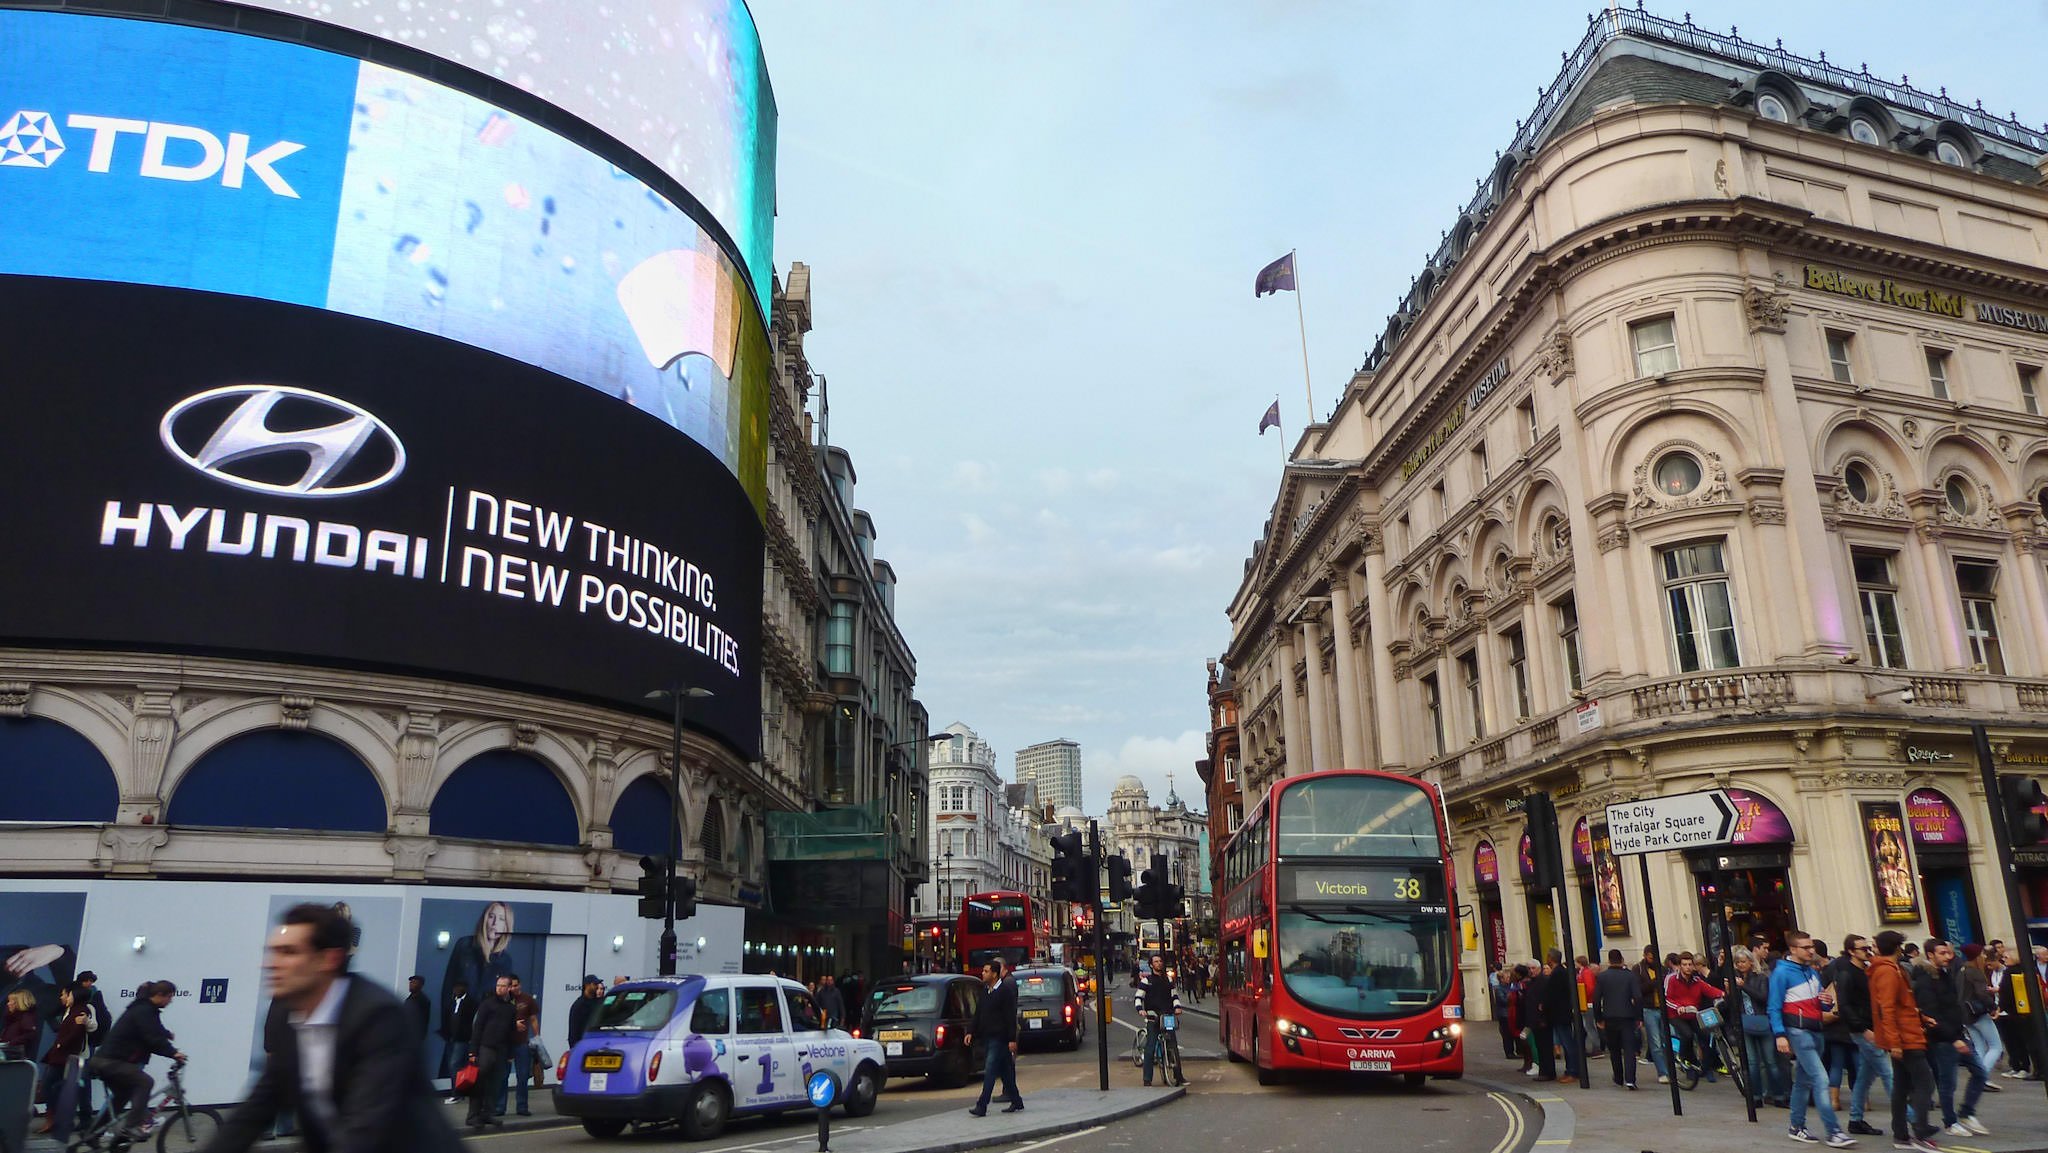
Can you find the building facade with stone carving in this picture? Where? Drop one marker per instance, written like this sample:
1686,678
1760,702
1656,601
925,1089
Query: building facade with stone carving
1707,451
980,842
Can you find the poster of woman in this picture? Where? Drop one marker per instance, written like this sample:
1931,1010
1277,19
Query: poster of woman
1891,867
485,940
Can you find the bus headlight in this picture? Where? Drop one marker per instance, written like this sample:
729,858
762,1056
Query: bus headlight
1288,1028
1450,1032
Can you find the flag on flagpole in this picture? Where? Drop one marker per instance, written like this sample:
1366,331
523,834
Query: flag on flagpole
1276,277
1271,419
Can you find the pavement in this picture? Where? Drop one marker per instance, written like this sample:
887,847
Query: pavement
1605,1119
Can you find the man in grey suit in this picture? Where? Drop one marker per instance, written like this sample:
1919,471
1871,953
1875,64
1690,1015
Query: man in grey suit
341,1054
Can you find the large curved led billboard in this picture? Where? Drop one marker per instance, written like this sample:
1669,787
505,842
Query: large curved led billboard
192,158
202,472
681,82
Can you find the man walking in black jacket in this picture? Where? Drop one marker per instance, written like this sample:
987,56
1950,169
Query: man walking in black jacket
995,1022
492,1035
579,1013
1618,1000
342,1053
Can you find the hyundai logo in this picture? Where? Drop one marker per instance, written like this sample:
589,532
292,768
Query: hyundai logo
274,438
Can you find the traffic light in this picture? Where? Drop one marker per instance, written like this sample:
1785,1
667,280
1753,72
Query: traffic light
1119,879
686,898
2026,811
1541,829
1070,881
654,888
1152,890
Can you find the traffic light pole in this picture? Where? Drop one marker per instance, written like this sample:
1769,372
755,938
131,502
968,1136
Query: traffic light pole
1101,968
667,961
2037,1031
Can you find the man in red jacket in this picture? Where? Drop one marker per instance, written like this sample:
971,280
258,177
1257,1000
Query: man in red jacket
1897,1029
1686,992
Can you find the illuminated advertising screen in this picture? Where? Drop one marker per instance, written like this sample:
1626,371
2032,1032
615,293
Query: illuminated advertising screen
683,83
223,474
191,158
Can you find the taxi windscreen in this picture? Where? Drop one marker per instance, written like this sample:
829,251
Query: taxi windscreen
1041,987
633,1010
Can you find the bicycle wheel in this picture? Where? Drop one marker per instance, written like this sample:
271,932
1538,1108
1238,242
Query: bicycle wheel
1173,1058
184,1132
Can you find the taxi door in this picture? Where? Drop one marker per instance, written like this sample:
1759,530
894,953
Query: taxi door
764,1071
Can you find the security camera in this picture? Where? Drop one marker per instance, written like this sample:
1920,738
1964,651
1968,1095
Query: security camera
1906,695
1850,658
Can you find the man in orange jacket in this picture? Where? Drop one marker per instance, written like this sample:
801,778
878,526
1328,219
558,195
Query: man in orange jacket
1897,1027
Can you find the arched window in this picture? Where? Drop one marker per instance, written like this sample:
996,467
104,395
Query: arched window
277,779
50,773
711,835
504,795
640,818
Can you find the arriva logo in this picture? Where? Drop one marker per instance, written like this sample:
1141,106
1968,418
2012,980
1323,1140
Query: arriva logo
169,151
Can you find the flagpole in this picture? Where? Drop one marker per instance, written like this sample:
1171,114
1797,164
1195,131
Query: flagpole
1307,389
1281,428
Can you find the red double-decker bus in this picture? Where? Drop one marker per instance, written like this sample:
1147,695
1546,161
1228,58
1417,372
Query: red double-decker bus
994,925
1339,949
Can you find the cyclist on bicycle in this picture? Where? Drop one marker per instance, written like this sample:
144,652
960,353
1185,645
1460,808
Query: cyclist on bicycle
119,1062
1685,994
1156,998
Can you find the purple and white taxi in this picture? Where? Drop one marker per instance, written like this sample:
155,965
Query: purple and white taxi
693,1051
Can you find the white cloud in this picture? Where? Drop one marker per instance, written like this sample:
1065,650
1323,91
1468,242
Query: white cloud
1149,759
974,475
979,531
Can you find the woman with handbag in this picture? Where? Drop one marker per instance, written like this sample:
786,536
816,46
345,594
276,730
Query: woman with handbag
1759,1057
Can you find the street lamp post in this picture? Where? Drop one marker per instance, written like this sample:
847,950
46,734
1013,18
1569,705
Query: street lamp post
667,961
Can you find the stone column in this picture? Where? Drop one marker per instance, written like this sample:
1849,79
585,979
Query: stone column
1350,717
1295,758
1950,647
1318,700
1386,718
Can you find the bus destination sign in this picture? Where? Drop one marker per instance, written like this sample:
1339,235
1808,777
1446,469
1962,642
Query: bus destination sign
1397,884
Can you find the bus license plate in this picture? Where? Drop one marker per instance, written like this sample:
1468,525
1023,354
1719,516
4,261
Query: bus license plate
1372,1066
603,1062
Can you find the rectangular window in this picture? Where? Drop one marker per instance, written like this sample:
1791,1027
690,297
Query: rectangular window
1977,583
839,640
1702,610
1230,768
1568,642
1468,675
1443,504
1656,345
1401,535
1877,592
2030,389
1482,473
1937,373
1838,357
1528,410
1518,670
1433,705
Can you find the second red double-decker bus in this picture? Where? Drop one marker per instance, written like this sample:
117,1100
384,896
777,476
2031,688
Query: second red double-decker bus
994,925
1338,946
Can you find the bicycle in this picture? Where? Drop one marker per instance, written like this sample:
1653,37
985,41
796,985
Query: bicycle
178,1125
1712,1032
1166,1031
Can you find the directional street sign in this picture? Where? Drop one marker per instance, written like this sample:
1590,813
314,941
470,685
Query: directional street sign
1658,824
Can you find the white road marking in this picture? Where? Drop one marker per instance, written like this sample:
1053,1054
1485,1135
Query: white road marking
1058,1139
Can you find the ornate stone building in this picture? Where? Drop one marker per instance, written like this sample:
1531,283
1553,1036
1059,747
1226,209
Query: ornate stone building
1221,771
980,842
1707,450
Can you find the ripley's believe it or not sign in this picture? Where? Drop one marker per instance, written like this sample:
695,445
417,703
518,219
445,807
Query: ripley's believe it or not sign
314,360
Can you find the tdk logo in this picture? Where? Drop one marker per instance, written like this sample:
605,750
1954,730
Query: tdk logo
168,151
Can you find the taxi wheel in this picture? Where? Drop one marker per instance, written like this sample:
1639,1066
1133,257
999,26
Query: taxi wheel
862,1092
709,1107
603,1126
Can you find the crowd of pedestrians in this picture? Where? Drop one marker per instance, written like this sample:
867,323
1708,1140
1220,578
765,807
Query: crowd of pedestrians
69,1032
1932,1024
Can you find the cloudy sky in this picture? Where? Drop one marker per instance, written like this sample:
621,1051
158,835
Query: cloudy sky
1033,229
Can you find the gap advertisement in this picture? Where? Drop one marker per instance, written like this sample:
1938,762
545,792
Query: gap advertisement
217,473
161,154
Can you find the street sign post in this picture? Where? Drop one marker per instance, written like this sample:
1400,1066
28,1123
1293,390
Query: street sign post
1659,824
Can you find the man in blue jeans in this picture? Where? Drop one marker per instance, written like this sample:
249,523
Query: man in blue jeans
995,1022
1799,1009
1650,975
1852,1002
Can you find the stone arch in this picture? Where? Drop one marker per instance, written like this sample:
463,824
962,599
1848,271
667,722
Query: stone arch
214,723
2033,471
1639,437
236,784
1848,433
50,771
93,717
1965,450
639,820
505,794
465,742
